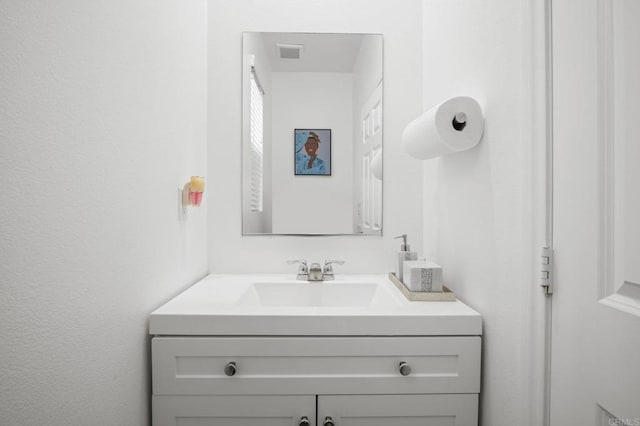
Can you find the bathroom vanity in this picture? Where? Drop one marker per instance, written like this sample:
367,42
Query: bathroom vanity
270,350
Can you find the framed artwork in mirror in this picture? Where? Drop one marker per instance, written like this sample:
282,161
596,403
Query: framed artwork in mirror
312,152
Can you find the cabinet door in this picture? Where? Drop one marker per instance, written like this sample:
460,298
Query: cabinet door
233,410
399,410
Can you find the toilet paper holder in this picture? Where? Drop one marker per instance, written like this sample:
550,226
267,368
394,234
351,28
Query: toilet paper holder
459,121
454,125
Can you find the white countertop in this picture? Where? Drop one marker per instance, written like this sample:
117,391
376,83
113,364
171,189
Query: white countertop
212,307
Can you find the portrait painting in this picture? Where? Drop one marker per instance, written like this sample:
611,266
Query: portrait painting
312,152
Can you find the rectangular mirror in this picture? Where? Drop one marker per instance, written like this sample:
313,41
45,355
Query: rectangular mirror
312,124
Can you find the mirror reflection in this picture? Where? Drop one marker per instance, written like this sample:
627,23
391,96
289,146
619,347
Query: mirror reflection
312,134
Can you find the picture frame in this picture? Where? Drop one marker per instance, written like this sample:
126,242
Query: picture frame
312,152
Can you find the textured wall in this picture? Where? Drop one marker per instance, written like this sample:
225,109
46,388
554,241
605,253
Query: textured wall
476,203
229,251
102,117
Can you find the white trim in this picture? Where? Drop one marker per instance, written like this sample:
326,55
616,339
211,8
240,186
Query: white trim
626,299
537,135
548,23
549,164
606,139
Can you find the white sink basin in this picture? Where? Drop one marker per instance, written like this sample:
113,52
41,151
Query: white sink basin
280,305
321,294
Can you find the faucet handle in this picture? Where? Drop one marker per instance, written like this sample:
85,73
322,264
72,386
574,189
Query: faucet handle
328,268
303,269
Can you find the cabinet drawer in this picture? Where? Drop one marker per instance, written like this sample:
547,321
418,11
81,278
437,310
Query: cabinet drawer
282,366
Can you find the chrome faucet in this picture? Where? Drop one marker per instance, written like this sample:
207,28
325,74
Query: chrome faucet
303,269
327,272
315,272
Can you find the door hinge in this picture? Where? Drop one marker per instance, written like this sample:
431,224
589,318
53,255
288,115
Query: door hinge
546,270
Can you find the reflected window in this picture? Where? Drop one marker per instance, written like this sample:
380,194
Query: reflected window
257,144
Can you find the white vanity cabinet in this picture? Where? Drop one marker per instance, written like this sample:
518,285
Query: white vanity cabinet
284,380
225,354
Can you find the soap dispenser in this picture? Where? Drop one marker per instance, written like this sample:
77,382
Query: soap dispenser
405,253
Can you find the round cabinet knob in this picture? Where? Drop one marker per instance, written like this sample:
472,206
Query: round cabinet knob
304,421
230,369
405,369
328,421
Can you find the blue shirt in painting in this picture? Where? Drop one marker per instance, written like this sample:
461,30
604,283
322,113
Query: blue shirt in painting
302,165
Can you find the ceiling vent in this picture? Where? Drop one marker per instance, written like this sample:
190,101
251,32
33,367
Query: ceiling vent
290,51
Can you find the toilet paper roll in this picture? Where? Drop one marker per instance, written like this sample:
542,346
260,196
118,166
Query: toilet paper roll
453,126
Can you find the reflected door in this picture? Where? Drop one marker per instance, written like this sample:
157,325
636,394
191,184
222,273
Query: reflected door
369,209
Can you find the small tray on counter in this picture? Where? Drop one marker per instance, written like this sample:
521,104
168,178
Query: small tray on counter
445,295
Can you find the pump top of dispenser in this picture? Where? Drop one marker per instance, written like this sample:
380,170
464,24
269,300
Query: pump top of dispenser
404,246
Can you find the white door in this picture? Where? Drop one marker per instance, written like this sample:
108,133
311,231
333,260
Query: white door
367,151
263,410
398,410
595,377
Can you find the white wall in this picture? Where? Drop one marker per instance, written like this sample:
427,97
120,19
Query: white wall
402,29
477,203
102,117
312,204
367,68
